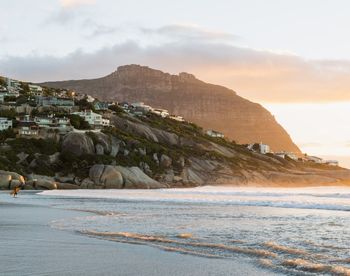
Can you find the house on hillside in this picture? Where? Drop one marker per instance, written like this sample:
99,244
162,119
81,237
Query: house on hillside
52,122
100,106
124,105
139,108
54,101
215,134
27,129
160,112
177,118
5,123
260,148
332,162
13,85
94,120
314,159
35,90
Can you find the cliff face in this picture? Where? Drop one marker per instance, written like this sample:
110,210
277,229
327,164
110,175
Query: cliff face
210,106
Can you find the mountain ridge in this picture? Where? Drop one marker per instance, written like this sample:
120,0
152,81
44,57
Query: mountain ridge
209,105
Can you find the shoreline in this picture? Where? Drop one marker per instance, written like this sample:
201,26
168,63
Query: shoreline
29,246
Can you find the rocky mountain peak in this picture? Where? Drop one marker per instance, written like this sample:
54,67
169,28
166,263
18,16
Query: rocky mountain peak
137,71
186,77
210,106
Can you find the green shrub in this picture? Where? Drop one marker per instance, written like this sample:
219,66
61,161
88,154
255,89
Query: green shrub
78,122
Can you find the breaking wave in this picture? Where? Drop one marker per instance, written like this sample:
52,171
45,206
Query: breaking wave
322,198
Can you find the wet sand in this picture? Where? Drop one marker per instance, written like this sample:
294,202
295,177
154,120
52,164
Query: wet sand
29,246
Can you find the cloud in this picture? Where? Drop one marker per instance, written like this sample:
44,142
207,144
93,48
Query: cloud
189,32
96,30
259,75
61,17
74,3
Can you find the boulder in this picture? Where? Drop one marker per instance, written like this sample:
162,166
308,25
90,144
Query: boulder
106,176
145,168
134,178
189,176
95,173
54,158
44,184
104,142
112,178
14,176
169,176
178,178
115,145
5,180
99,149
77,144
67,186
65,179
87,183
165,161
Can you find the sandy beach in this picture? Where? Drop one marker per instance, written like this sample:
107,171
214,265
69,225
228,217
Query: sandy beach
29,246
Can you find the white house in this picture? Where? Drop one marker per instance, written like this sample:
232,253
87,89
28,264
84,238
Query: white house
28,129
261,148
94,119
140,108
160,112
52,122
264,148
5,123
314,159
13,87
215,134
35,90
177,118
89,99
332,162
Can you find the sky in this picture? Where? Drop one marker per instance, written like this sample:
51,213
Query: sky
292,56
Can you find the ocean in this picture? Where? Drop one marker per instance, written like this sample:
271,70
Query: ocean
293,231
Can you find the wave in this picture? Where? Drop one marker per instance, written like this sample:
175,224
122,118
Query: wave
159,239
300,198
308,266
285,249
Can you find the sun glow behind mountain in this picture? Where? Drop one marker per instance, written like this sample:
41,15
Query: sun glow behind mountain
318,129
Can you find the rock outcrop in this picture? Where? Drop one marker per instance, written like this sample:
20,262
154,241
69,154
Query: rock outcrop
135,178
9,180
108,177
210,106
77,144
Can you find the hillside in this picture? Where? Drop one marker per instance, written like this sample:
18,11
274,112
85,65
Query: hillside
210,106
149,152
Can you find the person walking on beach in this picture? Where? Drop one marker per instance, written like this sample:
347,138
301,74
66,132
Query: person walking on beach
15,191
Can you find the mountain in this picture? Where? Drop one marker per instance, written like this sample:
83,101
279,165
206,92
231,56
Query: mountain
210,106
